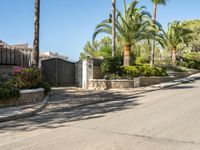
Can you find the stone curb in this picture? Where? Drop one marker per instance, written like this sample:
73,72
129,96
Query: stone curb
26,114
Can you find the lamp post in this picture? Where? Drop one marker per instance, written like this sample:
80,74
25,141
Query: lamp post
113,27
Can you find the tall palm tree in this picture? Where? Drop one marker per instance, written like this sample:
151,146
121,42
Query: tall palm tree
176,35
36,34
113,27
156,3
130,28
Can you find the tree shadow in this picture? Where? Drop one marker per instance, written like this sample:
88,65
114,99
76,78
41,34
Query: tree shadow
196,78
181,87
63,109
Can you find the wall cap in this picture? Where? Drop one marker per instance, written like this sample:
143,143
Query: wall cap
27,91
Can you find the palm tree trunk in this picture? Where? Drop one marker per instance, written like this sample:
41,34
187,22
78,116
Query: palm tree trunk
155,11
127,55
174,56
36,34
154,41
113,27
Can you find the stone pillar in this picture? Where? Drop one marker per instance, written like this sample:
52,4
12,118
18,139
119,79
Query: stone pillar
136,82
87,71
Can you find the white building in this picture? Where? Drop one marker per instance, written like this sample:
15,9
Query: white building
49,54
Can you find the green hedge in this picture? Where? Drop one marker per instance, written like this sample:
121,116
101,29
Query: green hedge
130,72
111,65
45,86
143,70
8,91
190,60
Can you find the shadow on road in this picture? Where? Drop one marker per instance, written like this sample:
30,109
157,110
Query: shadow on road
181,87
58,112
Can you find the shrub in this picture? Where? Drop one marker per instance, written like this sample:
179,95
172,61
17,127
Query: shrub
17,70
191,60
178,68
193,64
130,71
111,65
141,60
4,78
27,78
8,91
143,70
45,86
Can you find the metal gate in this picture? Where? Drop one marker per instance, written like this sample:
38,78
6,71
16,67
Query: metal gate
58,72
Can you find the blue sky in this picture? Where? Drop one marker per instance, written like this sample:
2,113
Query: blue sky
66,25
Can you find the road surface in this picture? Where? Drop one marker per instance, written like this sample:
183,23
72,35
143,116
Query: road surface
167,119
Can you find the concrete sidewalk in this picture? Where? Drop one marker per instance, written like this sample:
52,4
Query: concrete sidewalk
18,112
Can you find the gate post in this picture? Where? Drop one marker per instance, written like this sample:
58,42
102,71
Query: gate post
87,70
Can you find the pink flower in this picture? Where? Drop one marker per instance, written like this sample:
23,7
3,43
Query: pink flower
17,70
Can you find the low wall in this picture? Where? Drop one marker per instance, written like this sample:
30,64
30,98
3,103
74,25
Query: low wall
26,97
108,84
179,75
137,82
145,81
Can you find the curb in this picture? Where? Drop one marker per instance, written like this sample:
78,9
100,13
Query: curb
26,114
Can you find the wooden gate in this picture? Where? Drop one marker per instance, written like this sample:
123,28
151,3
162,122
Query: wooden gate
58,72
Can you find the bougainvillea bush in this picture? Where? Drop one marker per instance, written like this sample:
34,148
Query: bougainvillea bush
22,78
26,78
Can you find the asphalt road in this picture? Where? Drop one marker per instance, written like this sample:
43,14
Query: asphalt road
168,119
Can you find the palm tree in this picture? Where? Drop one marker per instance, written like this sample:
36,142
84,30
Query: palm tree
130,28
156,3
113,27
176,35
36,34
102,48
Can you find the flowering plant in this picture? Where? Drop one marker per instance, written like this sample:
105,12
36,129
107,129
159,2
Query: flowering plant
17,70
26,78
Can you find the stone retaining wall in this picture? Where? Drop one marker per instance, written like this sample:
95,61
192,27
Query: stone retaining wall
108,84
137,82
179,75
26,97
145,81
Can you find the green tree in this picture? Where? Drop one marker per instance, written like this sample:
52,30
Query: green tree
156,3
36,34
175,36
130,28
194,44
103,48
